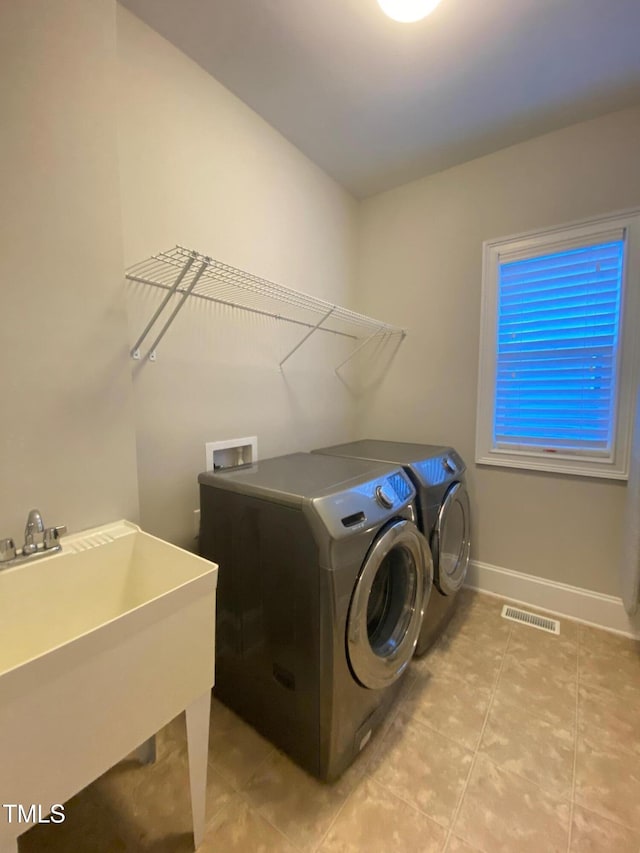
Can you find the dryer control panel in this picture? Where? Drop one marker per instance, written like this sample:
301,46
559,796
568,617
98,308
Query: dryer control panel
445,467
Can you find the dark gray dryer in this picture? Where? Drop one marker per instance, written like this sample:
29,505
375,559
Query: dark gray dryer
444,515
323,582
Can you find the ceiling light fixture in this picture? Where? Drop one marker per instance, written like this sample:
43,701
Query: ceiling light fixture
407,11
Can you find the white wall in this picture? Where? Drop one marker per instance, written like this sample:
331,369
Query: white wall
420,266
199,168
67,440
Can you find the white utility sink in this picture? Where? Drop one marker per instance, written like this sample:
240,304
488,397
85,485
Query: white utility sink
101,645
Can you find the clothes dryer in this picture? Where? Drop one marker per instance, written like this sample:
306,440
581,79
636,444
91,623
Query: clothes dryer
323,582
444,516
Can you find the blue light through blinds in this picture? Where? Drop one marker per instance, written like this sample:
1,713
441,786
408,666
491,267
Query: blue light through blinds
558,324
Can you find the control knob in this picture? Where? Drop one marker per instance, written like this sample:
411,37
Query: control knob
448,465
383,497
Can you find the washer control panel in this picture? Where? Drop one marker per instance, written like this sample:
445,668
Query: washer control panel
366,505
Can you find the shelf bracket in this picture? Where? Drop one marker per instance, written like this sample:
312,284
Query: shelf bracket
359,347
185,295
135,349
308,335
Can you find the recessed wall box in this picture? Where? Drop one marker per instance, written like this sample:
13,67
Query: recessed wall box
231,453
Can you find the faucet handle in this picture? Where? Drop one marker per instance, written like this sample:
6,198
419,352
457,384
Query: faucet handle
52,534
7,550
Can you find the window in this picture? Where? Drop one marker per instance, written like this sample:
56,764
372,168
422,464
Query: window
558,348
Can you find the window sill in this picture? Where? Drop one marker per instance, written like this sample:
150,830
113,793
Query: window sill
583,468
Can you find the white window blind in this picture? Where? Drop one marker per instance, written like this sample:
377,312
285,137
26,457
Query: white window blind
559,353
557,346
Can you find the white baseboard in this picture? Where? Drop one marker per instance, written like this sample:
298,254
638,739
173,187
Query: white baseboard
594,608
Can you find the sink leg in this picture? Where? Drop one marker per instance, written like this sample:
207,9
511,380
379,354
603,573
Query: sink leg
198,745
146,752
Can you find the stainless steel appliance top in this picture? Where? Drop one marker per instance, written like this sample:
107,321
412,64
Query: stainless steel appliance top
432,464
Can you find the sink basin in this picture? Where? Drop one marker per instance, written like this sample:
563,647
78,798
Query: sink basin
101,645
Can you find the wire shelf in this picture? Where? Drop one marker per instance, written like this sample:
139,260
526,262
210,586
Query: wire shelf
185,273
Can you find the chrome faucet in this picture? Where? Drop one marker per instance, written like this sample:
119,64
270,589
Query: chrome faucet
39,541
34,528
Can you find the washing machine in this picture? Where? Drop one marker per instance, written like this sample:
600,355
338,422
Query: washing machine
444,516
323,582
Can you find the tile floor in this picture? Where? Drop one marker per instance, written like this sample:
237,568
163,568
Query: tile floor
504,739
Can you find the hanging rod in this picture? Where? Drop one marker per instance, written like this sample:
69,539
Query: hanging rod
185,273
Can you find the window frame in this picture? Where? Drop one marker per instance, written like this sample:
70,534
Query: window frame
548,241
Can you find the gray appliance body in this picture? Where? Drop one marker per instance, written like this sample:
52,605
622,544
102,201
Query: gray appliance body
321,595
442,502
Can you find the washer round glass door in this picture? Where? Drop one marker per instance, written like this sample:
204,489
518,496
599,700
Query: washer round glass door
451,542
388,604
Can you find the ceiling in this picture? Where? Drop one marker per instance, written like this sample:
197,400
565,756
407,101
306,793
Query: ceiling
377,103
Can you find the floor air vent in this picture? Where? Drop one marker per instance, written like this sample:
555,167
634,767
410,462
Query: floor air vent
552,626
